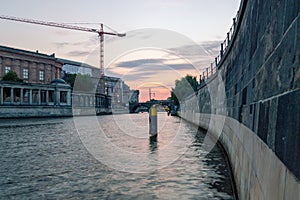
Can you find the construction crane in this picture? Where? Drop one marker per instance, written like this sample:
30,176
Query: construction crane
100,33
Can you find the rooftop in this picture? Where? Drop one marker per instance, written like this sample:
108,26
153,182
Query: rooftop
58,80
79,64
21,51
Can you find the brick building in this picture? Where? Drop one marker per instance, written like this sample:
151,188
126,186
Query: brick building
32,67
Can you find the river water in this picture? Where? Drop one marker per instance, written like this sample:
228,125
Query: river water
109,157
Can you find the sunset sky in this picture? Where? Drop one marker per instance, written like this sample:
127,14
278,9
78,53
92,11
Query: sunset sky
165,40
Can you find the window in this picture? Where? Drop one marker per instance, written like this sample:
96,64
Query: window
25,73
43,96
41,75
26,95
51,96
7,69
35,96
6,94
17,95
63,97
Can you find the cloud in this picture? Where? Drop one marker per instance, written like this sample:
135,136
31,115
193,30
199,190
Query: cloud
181,66
132,75
154,65
189,50
212,47
91,41
61,44
134,34
207,48
78,53
200,55
139,62
138,76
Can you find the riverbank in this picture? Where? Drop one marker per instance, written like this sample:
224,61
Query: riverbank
8,112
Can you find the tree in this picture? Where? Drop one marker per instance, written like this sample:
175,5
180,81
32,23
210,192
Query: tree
70,79
11,76
183,88
81,82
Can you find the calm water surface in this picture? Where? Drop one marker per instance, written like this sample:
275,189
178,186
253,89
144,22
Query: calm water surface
108,157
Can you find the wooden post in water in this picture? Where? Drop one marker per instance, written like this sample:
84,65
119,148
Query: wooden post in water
153,122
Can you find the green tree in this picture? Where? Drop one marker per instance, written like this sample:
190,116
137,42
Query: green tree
70,79
183,88
81,82
11,76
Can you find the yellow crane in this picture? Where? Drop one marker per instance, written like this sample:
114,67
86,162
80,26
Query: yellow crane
100,33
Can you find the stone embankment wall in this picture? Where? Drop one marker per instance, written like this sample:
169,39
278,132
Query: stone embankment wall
252,102
49,111
34,111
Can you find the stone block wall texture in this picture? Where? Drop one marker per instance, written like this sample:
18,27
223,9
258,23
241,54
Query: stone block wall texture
261,76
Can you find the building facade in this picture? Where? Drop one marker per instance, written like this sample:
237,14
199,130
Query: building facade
73,67
58,93
113,87
35,100
43,93
31,67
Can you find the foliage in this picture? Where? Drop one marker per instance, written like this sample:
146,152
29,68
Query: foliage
80,82
11,76
70,79
183,87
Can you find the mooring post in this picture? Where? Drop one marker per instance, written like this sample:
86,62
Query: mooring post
153,122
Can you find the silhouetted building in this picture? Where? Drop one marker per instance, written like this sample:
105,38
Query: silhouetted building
134,97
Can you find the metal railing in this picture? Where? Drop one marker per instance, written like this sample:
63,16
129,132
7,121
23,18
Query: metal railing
225,45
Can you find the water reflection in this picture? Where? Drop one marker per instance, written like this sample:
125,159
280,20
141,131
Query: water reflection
50,161
153,144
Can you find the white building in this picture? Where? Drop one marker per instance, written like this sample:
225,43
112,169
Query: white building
73,67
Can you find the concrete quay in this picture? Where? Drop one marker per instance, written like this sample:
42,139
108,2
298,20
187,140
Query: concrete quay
251,101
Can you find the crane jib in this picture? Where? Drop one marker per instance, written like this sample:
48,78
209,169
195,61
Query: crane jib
72,27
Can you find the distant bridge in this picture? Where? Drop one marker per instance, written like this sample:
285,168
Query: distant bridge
144,106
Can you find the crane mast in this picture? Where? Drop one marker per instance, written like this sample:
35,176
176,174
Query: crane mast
101,53
100,33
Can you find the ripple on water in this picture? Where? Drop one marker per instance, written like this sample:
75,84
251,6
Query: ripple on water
49,160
